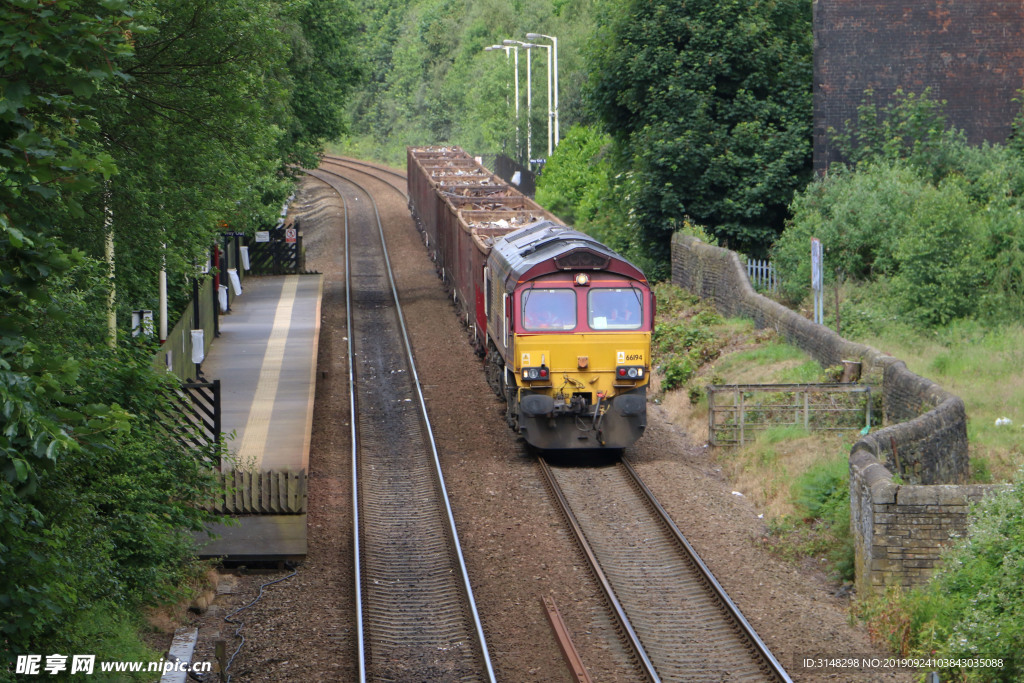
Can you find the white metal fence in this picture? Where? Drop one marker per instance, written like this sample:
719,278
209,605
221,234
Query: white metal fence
762,275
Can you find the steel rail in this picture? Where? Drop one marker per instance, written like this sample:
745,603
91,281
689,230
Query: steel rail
357,552
731,607
456,546
343,161
433,448
606,587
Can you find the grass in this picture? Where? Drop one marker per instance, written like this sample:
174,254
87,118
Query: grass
784,469
392,154
985,367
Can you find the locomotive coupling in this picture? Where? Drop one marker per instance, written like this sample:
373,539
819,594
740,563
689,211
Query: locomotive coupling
541,405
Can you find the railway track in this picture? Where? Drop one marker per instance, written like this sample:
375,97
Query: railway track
391,177
674,614
415,614
675,617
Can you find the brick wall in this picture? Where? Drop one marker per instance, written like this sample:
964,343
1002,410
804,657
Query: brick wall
899,529
970,53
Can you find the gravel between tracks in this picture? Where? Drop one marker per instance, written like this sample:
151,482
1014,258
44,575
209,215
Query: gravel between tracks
516,548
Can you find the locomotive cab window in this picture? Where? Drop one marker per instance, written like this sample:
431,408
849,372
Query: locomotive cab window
549,309
615,309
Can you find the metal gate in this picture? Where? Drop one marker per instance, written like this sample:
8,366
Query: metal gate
757,407
281,255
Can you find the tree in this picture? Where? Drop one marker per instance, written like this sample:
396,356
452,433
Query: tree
711,104
152,121
324,66
54,58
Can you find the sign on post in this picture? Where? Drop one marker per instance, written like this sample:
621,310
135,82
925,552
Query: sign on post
817,281
290,235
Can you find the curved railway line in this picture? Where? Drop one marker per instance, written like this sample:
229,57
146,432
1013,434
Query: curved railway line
395,179
415,614
673,614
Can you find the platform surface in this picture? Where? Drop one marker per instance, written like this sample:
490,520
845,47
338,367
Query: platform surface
265,358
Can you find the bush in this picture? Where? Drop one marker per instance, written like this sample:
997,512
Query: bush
678,372
822,493
973,606
574,175
984,580
673,300
939,220
682,337
857,215
940,266
108,521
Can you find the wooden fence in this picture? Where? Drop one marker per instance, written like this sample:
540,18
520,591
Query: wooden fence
195,416
262,493
279,256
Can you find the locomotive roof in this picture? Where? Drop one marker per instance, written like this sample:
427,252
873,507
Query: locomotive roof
546,246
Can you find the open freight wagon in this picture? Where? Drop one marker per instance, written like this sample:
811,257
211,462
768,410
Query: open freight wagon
461,208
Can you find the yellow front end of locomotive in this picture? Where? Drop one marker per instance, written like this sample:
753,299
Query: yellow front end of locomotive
589,363
586,390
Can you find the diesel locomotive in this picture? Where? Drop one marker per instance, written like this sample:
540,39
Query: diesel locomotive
562,322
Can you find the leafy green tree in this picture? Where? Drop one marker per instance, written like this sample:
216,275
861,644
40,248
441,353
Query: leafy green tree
429,80
858,216
574,174
153,121
324,67
939,256
195,129
54,58
910,127
219,103
711,102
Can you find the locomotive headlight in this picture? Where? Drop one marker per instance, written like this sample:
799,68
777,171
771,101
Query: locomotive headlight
629,372
534,374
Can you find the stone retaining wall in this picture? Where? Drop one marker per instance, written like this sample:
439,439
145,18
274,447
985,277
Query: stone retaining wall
899,529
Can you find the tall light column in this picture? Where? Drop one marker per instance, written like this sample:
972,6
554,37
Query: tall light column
551,111
529,97
554,42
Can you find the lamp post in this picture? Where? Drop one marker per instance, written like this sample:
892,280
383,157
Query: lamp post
516,44
554,42
531,46
492,48
551,114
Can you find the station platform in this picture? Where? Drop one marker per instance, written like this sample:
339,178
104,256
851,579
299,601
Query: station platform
265,358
